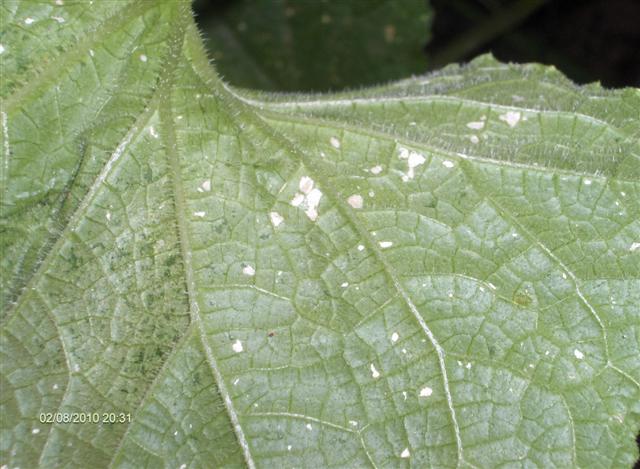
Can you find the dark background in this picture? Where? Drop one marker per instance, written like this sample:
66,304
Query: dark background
588,40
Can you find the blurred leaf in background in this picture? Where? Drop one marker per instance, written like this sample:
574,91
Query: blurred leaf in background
315,45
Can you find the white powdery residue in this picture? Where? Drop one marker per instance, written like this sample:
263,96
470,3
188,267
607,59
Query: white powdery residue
183,466
578,354
511,118
143,58
313,200
236,381
403,153
377,169
59,19
564,276
587,182
404,350
237,346
289,447
468,366
108,216
447,164
55,387
309,427
205,186
153,132
360,247
276,219
35,431
474,139
353,423
28,20
414,159
199,214
306,184
404,395
623,194
2,49
385,244
297,199
355,201
478,125
335,143
344,284
634,247
405,453
249,270
394,337
375,374
426,392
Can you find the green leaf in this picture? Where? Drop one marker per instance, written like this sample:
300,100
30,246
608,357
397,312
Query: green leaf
280,45
441,272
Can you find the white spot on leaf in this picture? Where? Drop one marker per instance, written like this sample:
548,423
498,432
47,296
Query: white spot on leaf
309,427
375,374
376,169
634,247
474,139
143,57
35,431
59,19
511,118
578,354
306,184
199,214
360,247
385,244
2,49
153,132
478,125
405,453
237,346
205,186
297,199
587,182
355,201
426,392
28,20
335,143
447,164
249,270
276,219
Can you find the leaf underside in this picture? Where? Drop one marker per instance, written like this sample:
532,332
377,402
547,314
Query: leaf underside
440,272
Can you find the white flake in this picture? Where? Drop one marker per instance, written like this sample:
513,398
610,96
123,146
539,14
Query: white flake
59,2
205,186
237,346
198,214
335,143
371,193
564,276
447,164
634,247
377,169
578,354
355,201
313,200
404,395
587,182
474,139
478,125
76,368
143,58
289,447
276,219
623,194
492,286
468,366
35,431
374,373
236,381
353,423
153,132
108,216
92,53
404,350
59,19
2,49
297,199
28,20
403,153
306,184
394,337
309,427
183,466
511,117
414,159
249,270
55,386
344,284
385,244
175,433
405,453
360,247
426,391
